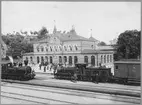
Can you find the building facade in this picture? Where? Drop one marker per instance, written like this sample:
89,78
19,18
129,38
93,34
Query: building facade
70,48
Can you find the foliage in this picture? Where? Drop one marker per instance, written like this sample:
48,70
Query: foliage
128,45
102,43
42,32
17,44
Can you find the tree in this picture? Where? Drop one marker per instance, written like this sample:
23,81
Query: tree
102,44
42,33
128,45
16,44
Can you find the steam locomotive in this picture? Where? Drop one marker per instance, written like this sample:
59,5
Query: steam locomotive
126,71
9,71
84,73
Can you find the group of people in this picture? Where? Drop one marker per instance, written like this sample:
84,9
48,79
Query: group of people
18,64
48,66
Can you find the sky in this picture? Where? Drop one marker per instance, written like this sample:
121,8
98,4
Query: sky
106,19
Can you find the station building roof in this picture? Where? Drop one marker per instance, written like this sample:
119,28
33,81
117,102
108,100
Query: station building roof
128,61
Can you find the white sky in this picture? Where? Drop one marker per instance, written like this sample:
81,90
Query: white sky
106,19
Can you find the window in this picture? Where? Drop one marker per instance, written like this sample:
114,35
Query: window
60,59
116,67
46,49
92,46
42,49
75,59
50,48
107,58
86,59
60,48
51,59
101,59
70,48
55,48
37,49
92,60
70,60
104,58
31,58
42,59
65,48
46,58
37,59
76,48
65,59
110,58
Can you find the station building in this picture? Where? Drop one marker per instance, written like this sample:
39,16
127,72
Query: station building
70,48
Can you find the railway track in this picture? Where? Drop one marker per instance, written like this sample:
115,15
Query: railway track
127,91
58,91
34,99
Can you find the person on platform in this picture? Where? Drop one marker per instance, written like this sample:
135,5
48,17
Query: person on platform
44,64
20,64
26,62
40,66
74,77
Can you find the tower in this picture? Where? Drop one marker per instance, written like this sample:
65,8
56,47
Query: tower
54,30
91,33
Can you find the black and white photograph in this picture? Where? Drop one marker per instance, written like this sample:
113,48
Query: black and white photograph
70,52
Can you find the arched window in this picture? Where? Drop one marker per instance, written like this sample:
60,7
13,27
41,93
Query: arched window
86,59
70,48
110,58
50,48
37,49
101,59
46,49
104,58
42,49
60,59
65,48
42,59
76,48
46,58
93,60
31,58
37,59
75,59
65,59
60,48
51,59
55,48
70,60
107,58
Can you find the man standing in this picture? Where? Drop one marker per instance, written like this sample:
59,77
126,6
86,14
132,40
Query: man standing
44,64
26,62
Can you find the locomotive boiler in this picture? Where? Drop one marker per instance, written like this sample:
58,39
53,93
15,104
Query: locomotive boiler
17,73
